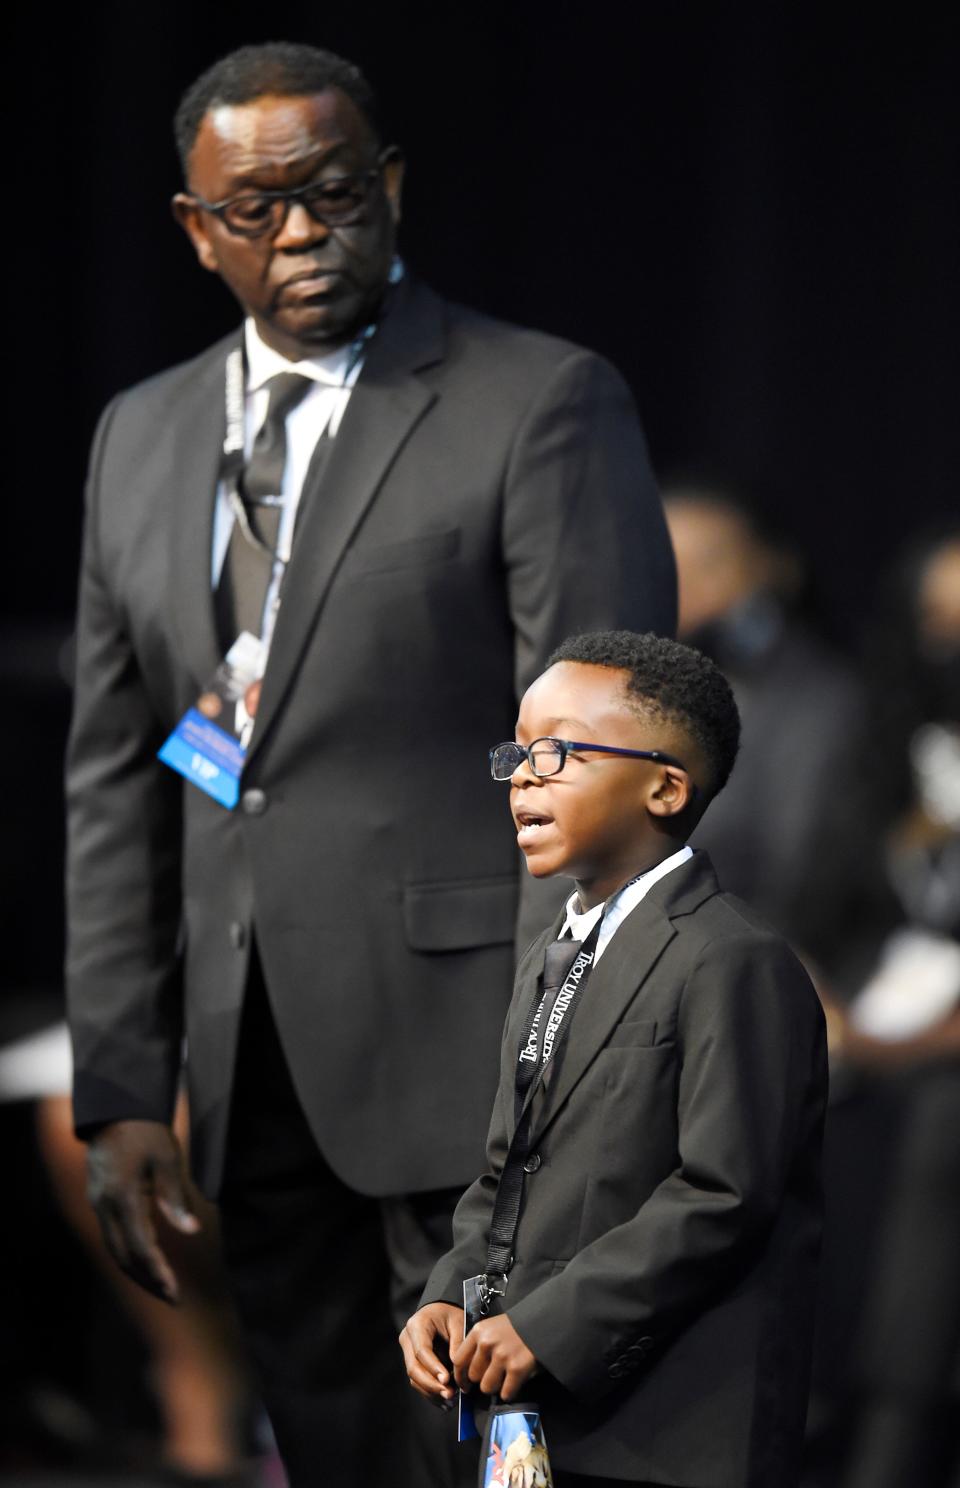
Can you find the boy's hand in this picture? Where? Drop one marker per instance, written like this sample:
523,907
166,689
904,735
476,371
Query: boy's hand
427,1374
495,1357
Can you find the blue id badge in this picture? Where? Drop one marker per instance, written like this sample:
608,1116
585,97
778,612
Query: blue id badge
209,744
473,1311
514,1449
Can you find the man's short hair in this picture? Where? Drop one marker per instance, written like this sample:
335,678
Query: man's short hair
286,68
673,681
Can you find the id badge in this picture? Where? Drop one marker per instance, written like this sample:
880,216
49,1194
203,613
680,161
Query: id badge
515,1449
473,1311
209,744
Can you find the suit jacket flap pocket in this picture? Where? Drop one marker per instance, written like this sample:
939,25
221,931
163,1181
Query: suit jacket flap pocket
639,1035
409,552
454,917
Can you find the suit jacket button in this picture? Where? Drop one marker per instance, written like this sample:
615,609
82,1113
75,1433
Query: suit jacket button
532,1163
253,802
238,935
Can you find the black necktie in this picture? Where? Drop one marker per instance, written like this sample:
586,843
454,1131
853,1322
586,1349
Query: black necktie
248,565
557,961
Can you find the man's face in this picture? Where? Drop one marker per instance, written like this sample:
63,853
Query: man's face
309,287
721,561
603,819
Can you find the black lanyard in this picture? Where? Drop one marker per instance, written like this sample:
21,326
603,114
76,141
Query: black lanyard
547,1027
545,1035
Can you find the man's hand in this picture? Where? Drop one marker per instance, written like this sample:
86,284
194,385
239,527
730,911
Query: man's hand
135,1168
426,1372
495,1357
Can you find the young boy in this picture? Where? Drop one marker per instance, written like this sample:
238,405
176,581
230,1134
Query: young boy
652,1280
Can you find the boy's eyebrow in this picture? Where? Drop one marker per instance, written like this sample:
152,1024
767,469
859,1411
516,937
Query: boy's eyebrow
576,723
553,723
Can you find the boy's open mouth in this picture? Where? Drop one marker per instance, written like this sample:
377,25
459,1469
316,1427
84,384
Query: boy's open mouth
529,823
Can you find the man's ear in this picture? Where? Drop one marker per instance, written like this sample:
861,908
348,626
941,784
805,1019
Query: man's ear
394,166
672,792
188,214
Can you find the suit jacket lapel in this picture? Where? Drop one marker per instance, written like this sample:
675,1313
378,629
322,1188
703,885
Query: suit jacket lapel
385,405
195,465
627,961
625,964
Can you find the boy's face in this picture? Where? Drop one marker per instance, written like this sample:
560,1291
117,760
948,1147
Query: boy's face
603,818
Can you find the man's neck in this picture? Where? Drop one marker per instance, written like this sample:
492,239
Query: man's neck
293,350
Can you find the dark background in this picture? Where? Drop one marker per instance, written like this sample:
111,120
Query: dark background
751,209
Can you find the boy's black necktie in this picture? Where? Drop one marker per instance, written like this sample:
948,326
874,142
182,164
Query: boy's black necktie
247,568
557,961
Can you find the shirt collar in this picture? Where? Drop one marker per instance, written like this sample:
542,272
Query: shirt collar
263,362
620,905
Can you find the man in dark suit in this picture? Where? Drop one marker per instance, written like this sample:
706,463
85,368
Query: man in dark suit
450,495
659,1261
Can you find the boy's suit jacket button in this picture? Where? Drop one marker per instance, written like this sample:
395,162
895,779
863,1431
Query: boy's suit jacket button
253,802
532,1163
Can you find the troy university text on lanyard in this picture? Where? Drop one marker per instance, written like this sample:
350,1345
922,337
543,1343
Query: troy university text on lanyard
542,1041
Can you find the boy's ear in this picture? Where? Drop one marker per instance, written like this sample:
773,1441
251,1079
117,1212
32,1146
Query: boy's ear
672,792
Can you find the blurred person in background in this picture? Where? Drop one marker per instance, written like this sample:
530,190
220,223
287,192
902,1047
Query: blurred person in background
801,708
895,1041
878,922
195,1365
94,1373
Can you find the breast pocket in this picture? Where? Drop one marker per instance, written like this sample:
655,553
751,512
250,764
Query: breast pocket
410,552
633,1035
460,916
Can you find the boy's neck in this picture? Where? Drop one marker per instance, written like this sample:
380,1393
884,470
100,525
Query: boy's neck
599,890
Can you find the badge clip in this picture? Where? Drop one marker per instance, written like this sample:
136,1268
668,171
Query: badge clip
488,1287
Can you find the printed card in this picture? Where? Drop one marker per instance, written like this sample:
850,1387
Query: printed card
209,744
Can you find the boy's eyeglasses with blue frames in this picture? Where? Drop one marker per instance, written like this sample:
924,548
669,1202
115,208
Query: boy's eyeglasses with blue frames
547,756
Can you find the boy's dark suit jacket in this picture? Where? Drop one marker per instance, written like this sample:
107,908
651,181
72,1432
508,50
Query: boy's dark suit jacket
488,492
667,1246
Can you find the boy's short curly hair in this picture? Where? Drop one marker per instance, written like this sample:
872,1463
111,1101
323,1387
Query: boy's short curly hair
673,681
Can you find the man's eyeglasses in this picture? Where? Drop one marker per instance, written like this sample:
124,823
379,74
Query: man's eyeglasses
547,756
336,202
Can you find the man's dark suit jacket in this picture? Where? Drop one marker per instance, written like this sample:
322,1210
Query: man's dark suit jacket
666,1251
489,492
